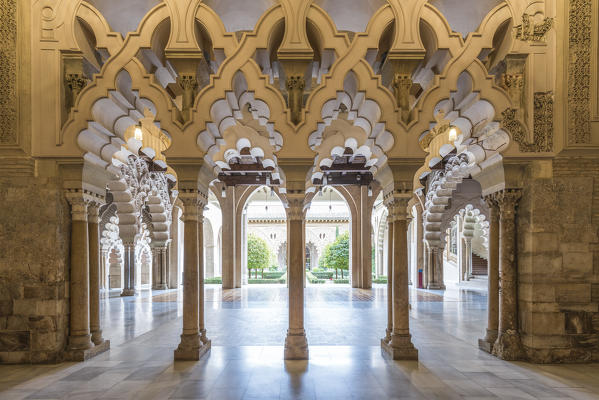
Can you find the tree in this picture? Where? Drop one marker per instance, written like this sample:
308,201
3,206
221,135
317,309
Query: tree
259,255
336,255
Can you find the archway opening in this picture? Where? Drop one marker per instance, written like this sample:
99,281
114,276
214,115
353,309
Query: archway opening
328,239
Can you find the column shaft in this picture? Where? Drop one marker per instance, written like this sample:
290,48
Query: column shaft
128,269
94,275
400,347
493,280
191,347
508,345
228,239
79,337
201,272
389,330
296,345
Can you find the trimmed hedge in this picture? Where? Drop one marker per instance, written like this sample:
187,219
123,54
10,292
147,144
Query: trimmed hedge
323,274
273,274
216,280
340,280
312,278
380,279
263,281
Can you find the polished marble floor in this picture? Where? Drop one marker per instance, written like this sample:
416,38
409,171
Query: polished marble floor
247,327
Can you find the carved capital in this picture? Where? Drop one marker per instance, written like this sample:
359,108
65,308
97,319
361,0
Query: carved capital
507,201
93,212
295,93
295,210
78,202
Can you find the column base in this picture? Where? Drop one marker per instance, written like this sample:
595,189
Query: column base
487,343
400,348
296,347
128,292
435,286
387,337
508,346
86,354
80,342
160,286
191,348
97,337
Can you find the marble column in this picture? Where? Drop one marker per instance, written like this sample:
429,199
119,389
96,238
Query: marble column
159,266
191,347
206,343
366,236
487,342
400,347
103,267
128,269
420,248
173,270
436,269
94,273
115,277
228,255
79,334
389,329
296,345
508,345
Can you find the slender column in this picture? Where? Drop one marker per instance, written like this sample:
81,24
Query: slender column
468,255
191,347
202,323
296,345
79,335
366,235
508,345
173,271
420,251
486,344
400,347
389,330
228,238
436,269
94,273
103,272
128,269
159,267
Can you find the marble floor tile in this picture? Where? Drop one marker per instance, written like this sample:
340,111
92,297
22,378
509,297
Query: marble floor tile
248,326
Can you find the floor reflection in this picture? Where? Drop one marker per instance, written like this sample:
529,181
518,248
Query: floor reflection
247,327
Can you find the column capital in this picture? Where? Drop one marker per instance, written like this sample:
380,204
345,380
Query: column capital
93,212
507,200
80,200
295,209
397,205
194,202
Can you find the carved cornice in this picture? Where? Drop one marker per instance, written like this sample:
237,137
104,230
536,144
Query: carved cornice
579,72
542,125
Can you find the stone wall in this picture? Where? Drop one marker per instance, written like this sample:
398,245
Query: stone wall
558,261
34,273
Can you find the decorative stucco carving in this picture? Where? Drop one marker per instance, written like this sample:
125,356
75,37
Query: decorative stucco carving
579,72
295,90
528,31
8,72
73,84
542,125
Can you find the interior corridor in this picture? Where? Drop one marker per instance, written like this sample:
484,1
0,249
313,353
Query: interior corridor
248,326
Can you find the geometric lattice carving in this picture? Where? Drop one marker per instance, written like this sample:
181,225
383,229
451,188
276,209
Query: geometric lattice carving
542,125
8,72
579,72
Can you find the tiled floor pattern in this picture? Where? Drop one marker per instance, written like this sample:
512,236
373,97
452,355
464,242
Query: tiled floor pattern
343,327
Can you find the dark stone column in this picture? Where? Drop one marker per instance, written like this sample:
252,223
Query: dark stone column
508,345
